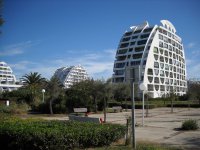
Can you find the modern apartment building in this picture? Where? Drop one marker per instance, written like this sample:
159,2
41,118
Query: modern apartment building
7,79
70,75
154,56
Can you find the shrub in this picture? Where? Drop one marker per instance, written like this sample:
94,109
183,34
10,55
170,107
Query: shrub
190,125
16,133
14,108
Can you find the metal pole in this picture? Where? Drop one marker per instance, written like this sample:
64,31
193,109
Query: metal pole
143,108
43,97
147,109
133,116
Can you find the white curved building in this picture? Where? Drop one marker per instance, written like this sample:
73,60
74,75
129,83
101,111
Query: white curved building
153,55
7,79
70,75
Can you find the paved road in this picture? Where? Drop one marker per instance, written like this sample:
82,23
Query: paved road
162,126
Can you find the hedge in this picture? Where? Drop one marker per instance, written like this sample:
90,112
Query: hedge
32,134
185,105
129,106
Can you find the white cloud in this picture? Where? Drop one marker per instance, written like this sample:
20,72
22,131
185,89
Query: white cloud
111,52
98,65
189,61
196,52
22,65
11,52
16,49
193,71
191,45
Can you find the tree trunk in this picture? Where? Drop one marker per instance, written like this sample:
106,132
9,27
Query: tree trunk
95,103
126,104
50,106
104,110
172,110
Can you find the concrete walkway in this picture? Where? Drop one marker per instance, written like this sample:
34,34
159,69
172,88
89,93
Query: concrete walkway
162,126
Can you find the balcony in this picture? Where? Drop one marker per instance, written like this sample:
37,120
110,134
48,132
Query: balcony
124,45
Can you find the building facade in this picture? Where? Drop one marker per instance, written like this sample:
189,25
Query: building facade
154,56
70,75
7,78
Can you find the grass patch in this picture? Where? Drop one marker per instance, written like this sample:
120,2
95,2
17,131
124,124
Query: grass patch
140,146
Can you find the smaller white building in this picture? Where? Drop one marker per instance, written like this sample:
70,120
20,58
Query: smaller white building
7,79
70,75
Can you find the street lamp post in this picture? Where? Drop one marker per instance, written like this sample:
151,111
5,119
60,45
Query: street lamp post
133,116
143,88
43,91
133,107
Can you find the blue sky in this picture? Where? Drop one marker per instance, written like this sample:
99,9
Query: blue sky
43,35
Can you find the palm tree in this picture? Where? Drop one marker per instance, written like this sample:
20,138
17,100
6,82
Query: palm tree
54,88
33,81
33,78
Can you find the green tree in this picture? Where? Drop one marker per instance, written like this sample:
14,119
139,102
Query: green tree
96,91
173,97
193,91
89,93
54,89
107,94
78,95
20,95
121,91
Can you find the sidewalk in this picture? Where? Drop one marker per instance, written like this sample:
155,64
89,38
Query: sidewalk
162,126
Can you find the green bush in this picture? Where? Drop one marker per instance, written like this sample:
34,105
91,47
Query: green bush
16,133
14,108
190,125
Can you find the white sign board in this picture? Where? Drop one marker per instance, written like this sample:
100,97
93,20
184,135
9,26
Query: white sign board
79,110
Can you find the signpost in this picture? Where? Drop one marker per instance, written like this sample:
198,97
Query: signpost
143,88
